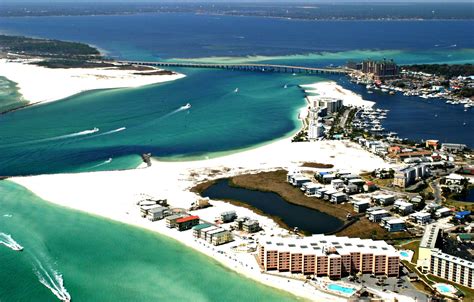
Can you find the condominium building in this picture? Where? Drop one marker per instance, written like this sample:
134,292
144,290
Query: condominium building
452,268
331,256
429,241
409,175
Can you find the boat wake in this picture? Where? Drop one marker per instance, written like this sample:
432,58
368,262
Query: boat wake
8,215
52,279
9,242
106,133
105,162
56,138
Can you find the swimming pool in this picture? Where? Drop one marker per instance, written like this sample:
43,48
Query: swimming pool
445,289
404,254
341,289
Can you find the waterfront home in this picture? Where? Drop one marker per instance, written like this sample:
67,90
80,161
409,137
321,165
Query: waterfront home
171,220
403,207
186,223
443,212
205,232
157,213
320,193
198,228
221,237
384,200
228,216
330,256
337,183
357,182
377,215
311,188
338,197
432,143
251,226
361,206
328,194
395,225
299,180
420,217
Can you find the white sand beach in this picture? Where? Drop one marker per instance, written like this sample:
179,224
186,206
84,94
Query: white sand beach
40,85
114,194
333,90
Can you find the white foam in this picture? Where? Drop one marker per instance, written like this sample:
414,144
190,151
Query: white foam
52,279
8,241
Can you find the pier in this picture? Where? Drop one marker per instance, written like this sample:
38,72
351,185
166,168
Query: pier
246,67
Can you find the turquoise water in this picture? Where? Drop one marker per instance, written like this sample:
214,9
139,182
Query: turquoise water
100,260
341,289
10,98
404,254
444,288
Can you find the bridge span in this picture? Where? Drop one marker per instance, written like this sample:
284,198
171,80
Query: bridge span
245,67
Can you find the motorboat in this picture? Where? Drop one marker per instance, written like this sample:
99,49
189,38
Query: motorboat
185,107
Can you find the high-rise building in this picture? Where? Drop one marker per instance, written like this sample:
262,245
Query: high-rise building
380,70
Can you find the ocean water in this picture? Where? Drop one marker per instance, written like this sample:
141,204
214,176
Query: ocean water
10,98
94,259
108,129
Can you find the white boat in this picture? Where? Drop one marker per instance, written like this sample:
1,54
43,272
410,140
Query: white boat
370,91
236,90
185,107
286,86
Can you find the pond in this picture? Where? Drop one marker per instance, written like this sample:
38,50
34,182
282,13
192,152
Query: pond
270,203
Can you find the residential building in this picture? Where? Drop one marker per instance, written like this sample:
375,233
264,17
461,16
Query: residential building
361,206
432,143
409,175
384,200
171,220
455,179
228,216
186,223
310,188
452,268
315,130
332,105
251,226
380,70
328,194
157,213
403,207
370,186
330,256
221,237
443,212
421,217
338,197
453,148
376,216
395,225
198,228
430,240
337,183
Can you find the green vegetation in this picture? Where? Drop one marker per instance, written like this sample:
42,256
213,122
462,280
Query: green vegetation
445,70
46,48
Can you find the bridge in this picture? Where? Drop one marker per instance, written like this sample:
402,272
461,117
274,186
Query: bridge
246,67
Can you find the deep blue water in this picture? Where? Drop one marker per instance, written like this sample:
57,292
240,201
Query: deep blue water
32,140
305,219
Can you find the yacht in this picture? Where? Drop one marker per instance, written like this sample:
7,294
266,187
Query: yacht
237,90
185,107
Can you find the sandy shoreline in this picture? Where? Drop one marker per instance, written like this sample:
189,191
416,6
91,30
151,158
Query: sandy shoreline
333,90
114,194
41,85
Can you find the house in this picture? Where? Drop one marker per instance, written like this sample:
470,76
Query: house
351,189
337,183
369,186
228,216
421,217
403,207
250,226
376,216
455,179
299,180
171,220
328,194
311,188
320,193
157,213
338,197
361,206
327,178
432,143
395,225
221,237
198,228
384,200
348,177
186,223
357,182
443,212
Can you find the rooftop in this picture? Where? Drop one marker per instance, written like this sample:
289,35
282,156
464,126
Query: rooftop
186,219
429,236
